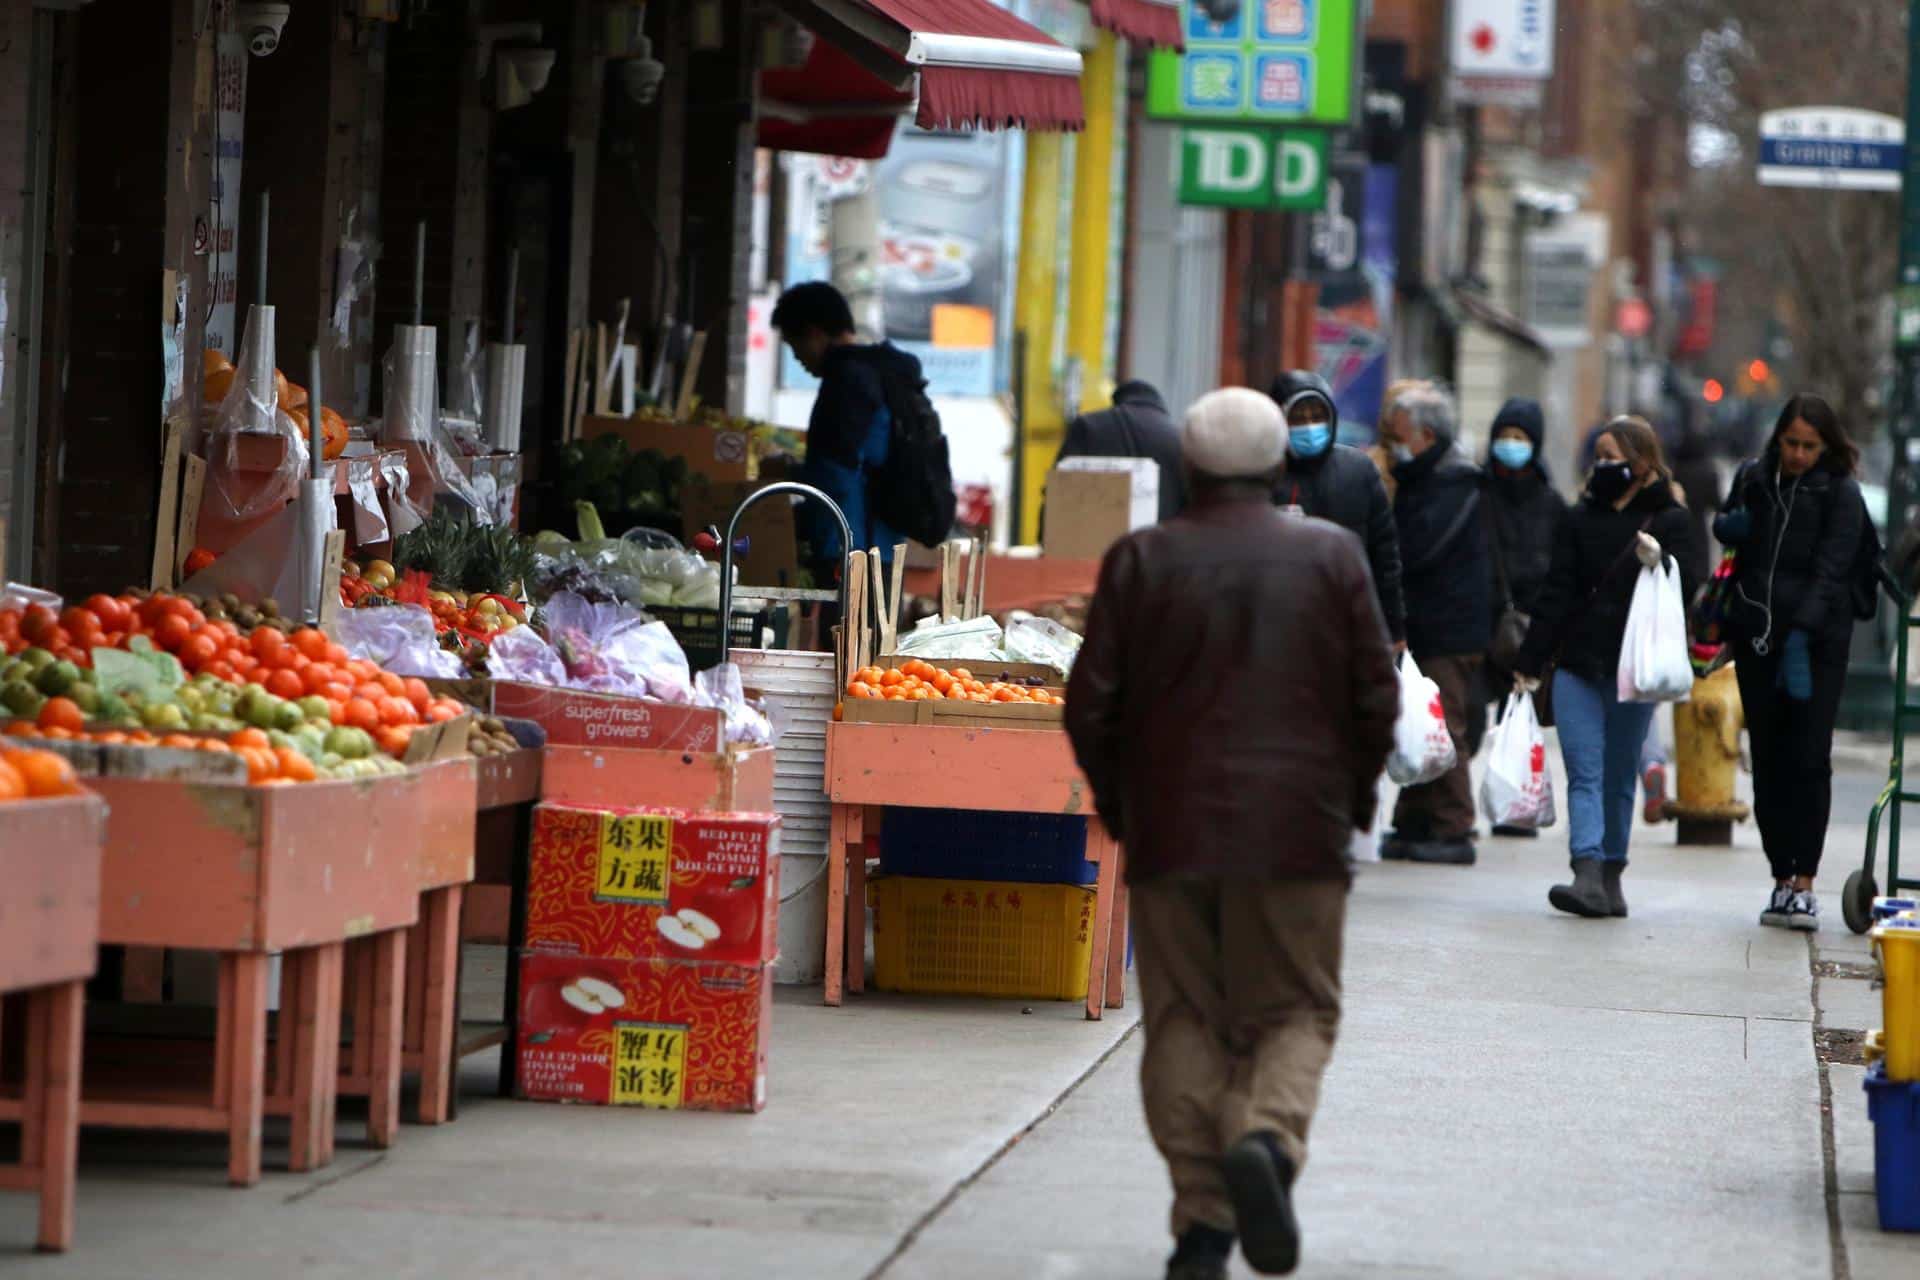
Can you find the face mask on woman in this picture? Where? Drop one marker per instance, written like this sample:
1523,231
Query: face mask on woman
1309,441
1513,454
1611,480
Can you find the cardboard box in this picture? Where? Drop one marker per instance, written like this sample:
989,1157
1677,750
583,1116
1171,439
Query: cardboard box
1091,502
573,718
682,1035
725,456
647,883
773,550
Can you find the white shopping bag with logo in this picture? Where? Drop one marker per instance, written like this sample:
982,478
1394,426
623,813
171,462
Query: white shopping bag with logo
1517,790
1654,666
1422,746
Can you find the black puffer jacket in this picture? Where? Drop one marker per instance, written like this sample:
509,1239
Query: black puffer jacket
1446,566
1580,616
1796,561
1343,485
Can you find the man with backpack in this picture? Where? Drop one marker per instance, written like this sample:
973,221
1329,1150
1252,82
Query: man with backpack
874,443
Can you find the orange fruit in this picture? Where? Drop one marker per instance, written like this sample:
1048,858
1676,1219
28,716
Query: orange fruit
294,766
362,714
893,677
240,738
286,684
860,689
397,711
62,713
265,642
417,693
44,773
12,785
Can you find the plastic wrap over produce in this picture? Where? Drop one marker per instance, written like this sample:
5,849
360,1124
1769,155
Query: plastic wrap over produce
404,515
248,411
410,415
747,724
1041,640
975,640
610,648
400,639
639,574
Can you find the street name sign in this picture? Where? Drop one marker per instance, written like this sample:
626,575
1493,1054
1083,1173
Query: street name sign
1252,168
1836,148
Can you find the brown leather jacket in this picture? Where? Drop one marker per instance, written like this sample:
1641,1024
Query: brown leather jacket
1234,701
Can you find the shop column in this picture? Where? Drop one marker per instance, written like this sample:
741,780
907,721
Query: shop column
1040,425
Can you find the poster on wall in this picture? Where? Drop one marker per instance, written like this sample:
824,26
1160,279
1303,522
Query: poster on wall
943,251
229,139
1352,252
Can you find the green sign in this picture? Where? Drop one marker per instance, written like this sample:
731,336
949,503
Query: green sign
1272,62
1252,168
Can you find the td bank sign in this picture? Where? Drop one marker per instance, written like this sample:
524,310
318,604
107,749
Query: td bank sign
1253,168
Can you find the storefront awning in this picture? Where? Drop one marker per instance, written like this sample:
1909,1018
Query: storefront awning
973,64
1155,23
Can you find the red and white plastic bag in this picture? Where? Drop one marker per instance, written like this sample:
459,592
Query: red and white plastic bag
1517,790
1422,744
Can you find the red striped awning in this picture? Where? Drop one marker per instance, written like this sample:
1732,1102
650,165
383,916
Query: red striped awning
974,65
1155,23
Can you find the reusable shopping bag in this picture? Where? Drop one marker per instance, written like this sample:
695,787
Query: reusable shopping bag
1422,747
1517,790
1654,663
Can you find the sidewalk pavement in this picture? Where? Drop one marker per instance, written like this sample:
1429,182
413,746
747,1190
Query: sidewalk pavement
1515,1094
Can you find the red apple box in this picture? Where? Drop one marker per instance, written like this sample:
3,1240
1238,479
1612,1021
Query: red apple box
667,1034
637,884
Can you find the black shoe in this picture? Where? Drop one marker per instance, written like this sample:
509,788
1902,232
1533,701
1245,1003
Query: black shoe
1202,1254
1516,833
1260,1182
1449,853
1395,847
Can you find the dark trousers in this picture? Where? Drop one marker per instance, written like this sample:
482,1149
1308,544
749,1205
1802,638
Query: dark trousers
1443,809
1792,747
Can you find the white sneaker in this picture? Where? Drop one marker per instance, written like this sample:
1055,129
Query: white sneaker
1779,907
1804,913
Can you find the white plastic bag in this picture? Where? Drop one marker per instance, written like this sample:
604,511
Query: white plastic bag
1517,790
1422,746
1653,653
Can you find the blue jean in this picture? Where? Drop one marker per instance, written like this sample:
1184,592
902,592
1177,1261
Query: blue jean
1600,740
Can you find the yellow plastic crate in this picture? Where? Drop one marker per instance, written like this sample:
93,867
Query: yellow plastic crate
981,937
1899,951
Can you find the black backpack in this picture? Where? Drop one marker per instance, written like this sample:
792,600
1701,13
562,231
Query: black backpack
913,489
1863,580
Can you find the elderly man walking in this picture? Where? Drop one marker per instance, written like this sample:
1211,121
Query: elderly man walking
1232,705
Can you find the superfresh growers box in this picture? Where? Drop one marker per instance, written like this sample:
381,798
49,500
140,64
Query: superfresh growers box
636,884
577,719
669,1034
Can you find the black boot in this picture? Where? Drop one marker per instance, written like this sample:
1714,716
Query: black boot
1201,1254
1587,895
1616,899
1260,1183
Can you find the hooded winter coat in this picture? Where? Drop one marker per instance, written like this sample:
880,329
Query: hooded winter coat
1448,570
1525,511
1795,569
1343,485
847,439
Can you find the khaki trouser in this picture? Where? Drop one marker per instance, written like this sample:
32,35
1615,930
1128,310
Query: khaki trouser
1240,987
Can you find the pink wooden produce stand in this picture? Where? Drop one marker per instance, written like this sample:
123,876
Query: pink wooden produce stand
50,854
870,766
245,872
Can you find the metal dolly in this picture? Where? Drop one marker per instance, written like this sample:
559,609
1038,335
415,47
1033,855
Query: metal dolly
1856,899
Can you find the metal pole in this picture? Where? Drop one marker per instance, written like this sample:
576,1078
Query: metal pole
419,271
260,260
315,437
1901,426
513,284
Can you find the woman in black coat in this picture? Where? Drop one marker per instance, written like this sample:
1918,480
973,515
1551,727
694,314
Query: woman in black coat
1525,511
1796,517
1628,518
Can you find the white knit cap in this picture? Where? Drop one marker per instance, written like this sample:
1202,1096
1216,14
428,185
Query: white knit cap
1234,432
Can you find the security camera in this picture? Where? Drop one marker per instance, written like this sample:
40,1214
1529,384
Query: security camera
531,67
642,74
263,24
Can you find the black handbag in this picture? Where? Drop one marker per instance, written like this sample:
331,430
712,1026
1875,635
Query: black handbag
1510,627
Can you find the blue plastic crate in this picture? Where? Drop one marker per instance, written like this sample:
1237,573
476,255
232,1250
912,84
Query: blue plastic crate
971,844
1895,1111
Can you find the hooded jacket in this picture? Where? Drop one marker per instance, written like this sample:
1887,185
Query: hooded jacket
1343,485
1137,426
1448,570
1525,511
848,435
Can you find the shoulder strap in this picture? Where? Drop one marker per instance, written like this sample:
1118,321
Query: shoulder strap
1499,557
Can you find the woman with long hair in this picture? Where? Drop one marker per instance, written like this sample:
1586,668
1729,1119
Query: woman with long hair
1627,518
1796,518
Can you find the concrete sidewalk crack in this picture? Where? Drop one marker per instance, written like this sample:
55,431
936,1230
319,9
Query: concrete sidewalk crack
1836,1237
960,1188
322,1184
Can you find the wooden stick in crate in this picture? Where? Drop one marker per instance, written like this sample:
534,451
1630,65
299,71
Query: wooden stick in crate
977,597
899,580
947,594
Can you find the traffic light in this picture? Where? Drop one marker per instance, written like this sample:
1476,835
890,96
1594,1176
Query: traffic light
1712,392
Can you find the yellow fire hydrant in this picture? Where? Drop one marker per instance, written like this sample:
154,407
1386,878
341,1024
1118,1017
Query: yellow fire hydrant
1706,757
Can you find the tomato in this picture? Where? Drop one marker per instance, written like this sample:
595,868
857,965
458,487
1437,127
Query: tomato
362,714
37,624
172,632
417,693
266,643
397,711
113,615
286,684
311,642
198,651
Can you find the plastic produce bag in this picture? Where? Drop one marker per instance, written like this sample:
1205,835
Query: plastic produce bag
1042,640
1422,745
747,725
400,639
1654,662
975,640
610,648
523,656
1517,790
236,427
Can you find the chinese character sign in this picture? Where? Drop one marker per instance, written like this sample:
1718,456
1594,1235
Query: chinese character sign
636,851
229,124
1273,61
649,1064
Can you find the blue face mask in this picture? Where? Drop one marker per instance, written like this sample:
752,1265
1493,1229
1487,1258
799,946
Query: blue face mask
1309,441
1513,454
